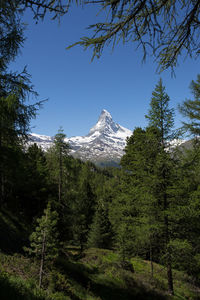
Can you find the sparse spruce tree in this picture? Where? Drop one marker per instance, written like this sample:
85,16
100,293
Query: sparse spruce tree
44,244
62,150
56,161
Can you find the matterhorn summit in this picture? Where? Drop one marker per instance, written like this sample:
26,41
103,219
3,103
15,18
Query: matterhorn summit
104,143
105,124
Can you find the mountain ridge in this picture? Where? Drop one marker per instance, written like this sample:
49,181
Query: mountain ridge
104,143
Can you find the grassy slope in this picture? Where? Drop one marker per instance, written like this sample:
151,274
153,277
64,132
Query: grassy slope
96,275
104,277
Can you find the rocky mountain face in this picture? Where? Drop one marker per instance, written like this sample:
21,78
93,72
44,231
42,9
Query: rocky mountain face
104,143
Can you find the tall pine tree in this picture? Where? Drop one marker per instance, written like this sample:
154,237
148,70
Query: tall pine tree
162,117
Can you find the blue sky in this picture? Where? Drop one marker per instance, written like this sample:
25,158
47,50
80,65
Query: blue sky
78,89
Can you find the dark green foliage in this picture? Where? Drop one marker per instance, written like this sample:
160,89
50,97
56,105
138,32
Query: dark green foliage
15,87
33,189
191,108
162,118
100,234
83,207
13,232
15,289
44,242
184,213
46,227
137,206
61,149
11,34
148,168
160,115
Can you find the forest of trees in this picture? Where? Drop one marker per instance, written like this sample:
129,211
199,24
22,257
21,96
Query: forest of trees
149,207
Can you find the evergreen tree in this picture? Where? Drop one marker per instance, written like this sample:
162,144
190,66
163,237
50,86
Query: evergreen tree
137,202
15,115
161,117
62,150
100,231
190,108
83,206
56,161
34,188
184,212
44,240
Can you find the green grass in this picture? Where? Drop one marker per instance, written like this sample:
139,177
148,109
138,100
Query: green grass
183,287
14,288
98,274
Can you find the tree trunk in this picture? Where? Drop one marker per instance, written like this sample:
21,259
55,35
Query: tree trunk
169,275
151,260
1,171
42,259
2,186
168,254
60,176
167,238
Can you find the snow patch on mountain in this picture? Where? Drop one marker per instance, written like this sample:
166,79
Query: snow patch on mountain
105,141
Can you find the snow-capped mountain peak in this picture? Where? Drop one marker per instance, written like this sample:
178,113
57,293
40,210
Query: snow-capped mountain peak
105,124
105,142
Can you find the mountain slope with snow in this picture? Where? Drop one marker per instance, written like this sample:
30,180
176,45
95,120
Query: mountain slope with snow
104,143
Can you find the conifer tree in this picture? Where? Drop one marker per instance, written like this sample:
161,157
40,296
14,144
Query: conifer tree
56,161
83,206
34,188
162,117
185,211
62,150
44,243
191,108
138,202
100,231
15,114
